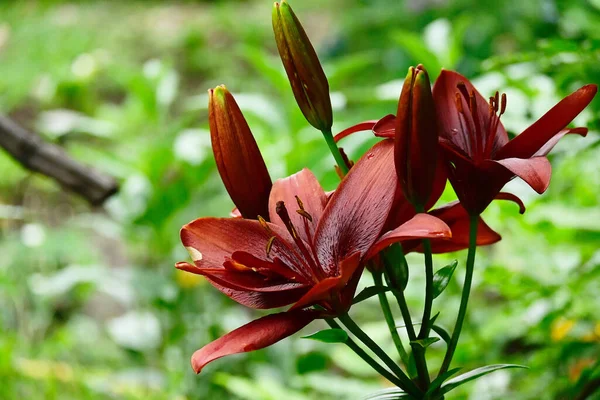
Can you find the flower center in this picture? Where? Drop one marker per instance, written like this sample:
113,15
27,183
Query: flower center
482,132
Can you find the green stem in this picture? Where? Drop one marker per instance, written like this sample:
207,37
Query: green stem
462,311
389,319
335,151
407,384
367,358
418,351
425,322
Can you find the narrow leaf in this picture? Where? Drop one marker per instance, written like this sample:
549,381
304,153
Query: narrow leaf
442,332
442,278
474,374
432,320
437,382
329,336
369,292
424,343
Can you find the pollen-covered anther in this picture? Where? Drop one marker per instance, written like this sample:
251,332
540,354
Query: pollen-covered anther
458,100
270,245
302,211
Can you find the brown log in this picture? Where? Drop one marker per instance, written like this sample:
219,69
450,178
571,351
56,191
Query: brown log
37,155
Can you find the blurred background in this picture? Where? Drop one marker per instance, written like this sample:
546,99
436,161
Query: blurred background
90,304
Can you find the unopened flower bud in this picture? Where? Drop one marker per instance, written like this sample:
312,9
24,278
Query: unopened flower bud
303,68
415,150
238,158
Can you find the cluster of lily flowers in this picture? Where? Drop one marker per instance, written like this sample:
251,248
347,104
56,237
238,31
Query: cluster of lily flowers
291,243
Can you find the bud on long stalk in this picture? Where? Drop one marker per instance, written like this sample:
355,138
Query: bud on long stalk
415,149
303,68
238,158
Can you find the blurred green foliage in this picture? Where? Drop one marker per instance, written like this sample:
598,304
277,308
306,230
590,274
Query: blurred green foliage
90,305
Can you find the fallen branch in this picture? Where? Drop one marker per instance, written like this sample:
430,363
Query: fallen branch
35,154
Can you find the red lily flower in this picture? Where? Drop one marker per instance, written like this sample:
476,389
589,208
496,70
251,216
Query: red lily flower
453,214
312,255
480,157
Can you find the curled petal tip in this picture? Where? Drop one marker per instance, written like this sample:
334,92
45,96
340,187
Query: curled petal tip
513,198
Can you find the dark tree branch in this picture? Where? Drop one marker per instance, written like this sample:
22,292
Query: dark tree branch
35,154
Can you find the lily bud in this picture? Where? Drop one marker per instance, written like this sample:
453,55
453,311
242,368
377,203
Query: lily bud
415,147
303,68
238,158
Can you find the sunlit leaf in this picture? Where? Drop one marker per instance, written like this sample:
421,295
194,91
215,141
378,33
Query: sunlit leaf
329,336
437,382
474,374
442,278
424,343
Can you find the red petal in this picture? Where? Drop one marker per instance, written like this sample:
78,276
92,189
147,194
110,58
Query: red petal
419,227
357,211
257,300
513,198
305,185
385,127
457,218
255,335
250,290
212,241
545,149
532,139
361,126
536,171
451,128
323,290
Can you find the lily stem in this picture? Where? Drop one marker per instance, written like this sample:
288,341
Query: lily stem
462,311
335,151
426,321
418,350
367,358
389,319
407,383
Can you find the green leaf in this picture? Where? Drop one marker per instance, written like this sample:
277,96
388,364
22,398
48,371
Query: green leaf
437,382
442,278
424,343
474,374
442,332
329,336
369,292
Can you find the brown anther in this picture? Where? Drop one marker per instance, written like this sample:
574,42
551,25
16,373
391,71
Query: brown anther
270,245
302,211
349,163
473,104
282,211
492,106
503,104
300,203
304,214
458,100
496,101
462,88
